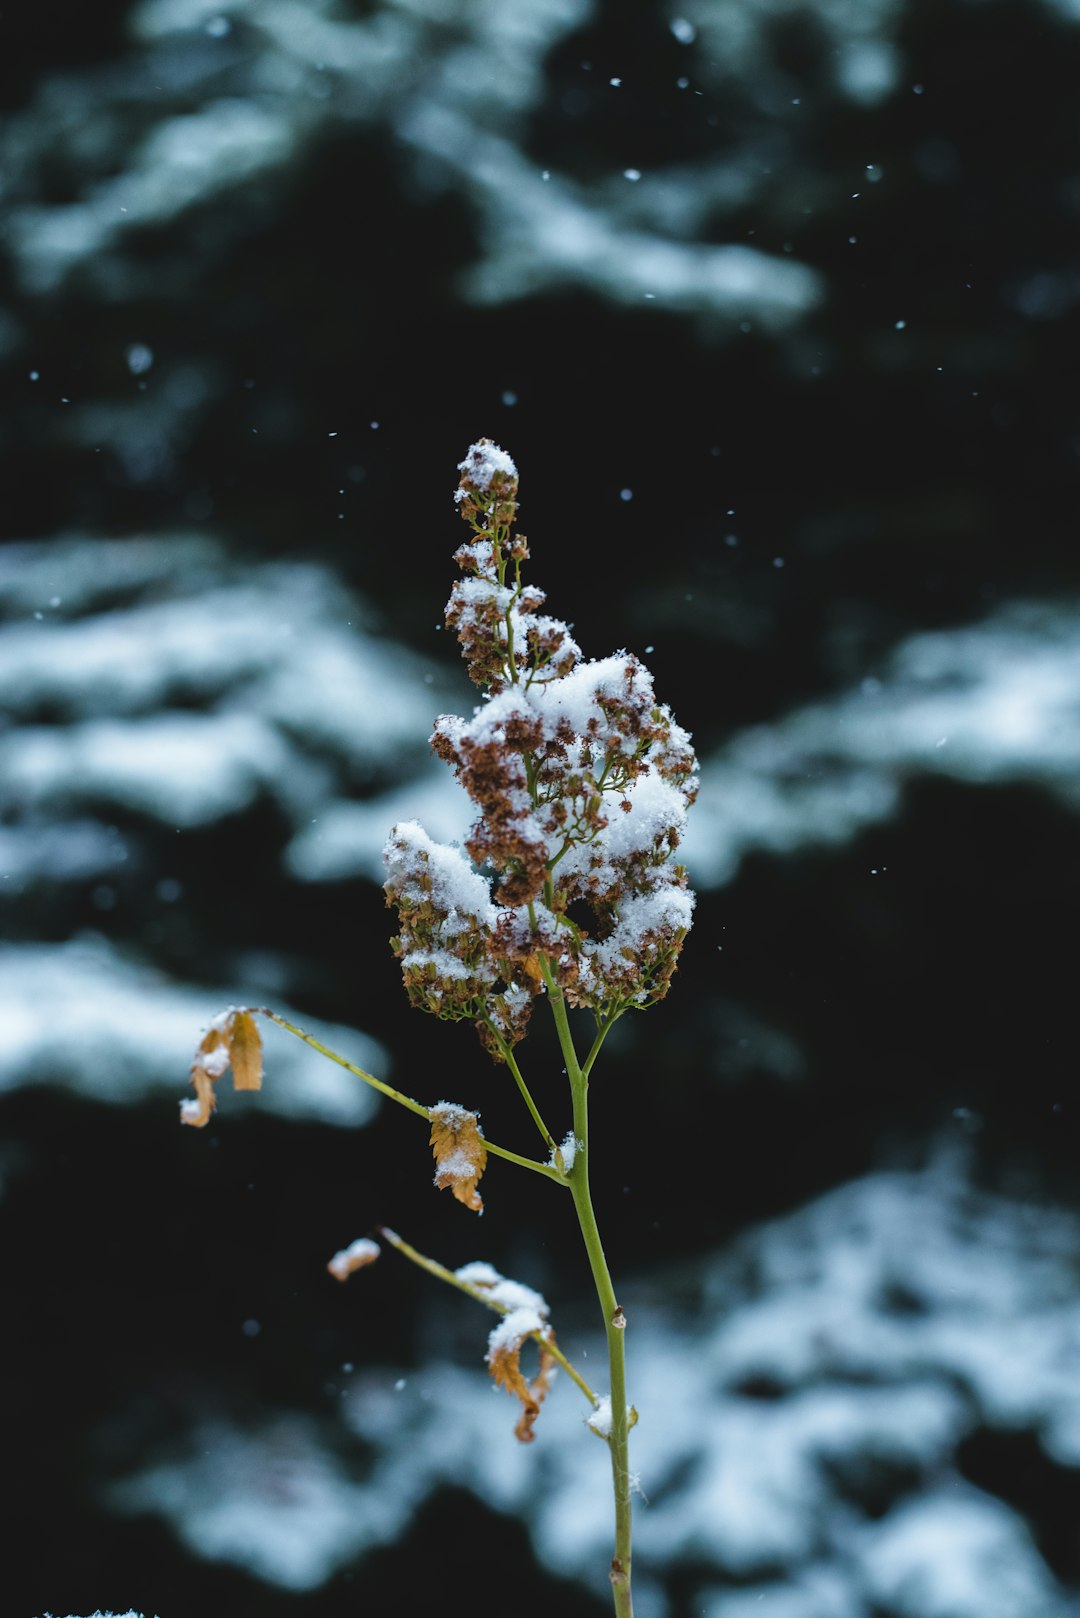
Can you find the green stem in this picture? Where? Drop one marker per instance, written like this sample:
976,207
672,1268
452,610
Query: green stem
603,1029
509,1058
548,1170
433,1267
368,1078
614,1323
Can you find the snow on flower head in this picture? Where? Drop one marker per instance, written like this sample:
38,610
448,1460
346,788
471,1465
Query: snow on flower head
581,780
483,460
487,493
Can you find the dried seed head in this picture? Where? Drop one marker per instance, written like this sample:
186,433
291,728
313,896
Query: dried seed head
581,781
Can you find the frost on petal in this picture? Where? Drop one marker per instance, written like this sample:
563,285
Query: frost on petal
356,1256
460,1153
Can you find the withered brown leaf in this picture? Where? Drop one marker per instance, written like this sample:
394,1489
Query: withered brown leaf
460,1153
354,1257
245,1051
232,1040
504,1363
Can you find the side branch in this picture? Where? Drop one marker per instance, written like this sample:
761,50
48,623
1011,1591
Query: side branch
548,1170
441,1273
332,1056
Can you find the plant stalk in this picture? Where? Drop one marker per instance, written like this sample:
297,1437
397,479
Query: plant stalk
614,1324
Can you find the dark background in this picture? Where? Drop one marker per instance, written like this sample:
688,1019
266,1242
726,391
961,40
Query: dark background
909,477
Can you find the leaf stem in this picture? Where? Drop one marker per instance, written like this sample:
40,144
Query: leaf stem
368,1078
509,1058
548,1170
604,1027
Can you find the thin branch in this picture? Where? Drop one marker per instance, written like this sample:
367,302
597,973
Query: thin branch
441,1273
548,1170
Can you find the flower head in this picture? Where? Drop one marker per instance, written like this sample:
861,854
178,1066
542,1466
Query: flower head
581,781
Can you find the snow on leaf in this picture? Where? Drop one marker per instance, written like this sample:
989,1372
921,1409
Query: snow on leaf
232,1040
460,1153
356,1256
504,1362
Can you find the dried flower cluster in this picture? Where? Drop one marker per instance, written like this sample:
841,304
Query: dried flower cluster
581,781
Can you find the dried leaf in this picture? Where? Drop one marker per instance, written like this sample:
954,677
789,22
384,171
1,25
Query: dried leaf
245,1051
198,1112
232,1040
460,1153
531,968
211,1060
354,1257
504,1363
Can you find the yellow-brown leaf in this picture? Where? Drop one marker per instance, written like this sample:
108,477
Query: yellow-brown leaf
245,1051
211,1060
531,968
460,1153
354,1257
198,1112
504,1363
232,1040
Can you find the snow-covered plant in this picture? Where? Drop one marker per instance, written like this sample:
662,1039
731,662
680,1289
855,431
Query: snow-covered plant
566,891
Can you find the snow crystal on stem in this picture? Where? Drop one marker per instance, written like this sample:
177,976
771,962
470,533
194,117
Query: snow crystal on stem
478,1274
569,1152
600,1420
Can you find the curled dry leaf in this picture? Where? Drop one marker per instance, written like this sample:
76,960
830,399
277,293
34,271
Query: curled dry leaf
232,1040
504,1363
460,1153
354,1257
245,1051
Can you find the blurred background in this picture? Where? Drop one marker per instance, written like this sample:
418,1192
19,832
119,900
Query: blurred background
776,304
